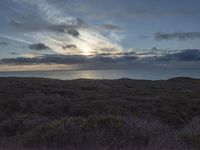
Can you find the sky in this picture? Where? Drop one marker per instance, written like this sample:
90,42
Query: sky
99,34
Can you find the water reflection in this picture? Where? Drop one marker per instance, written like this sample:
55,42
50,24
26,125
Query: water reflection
109,74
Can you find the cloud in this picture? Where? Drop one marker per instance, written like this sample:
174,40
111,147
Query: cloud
184,55
46,59
111,27
118,60
182,36
38,47
56,28
15,39
4,43
112,31
71,59
154,48
13,53
69,46
73,32
44,26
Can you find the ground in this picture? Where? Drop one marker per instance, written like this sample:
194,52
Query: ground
100,114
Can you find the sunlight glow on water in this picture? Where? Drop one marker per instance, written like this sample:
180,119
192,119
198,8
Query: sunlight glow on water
109,74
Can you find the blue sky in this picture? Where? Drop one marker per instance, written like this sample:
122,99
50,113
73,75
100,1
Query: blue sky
142,30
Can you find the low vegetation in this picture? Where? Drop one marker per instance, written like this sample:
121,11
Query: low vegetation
37,113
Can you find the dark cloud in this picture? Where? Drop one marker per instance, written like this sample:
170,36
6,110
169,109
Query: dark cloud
64,28
182,36
4,43
146,54
38,47
13,53
154,48
46,59
69,46
111,27
185,55
68,59
73,32
60,28
46,26
119,54
176,55
192,55
116,60
71,29
81,23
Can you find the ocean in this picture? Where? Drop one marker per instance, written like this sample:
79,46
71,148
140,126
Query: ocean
146,74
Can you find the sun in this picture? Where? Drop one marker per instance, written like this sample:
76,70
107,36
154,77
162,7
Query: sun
86,49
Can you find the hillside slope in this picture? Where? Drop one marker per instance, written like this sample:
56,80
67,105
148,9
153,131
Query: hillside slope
100,114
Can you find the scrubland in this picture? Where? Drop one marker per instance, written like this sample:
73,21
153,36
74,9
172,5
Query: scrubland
124,114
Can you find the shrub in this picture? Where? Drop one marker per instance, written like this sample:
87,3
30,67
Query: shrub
191,134
51,134
56,133
10,127
2,116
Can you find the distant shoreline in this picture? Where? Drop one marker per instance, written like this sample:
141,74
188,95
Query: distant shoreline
79,79
140,74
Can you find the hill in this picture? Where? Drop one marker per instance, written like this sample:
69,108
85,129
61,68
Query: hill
100,114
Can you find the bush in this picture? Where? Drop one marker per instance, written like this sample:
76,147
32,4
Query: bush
64,131
92,113
10,127
2,116
104,130
52,133
191,134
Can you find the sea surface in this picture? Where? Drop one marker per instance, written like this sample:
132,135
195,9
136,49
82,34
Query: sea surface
147,74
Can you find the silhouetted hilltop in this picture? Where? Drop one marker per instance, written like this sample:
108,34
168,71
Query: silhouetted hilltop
183,79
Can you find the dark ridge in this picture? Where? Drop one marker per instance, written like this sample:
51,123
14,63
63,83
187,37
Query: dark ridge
180,79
